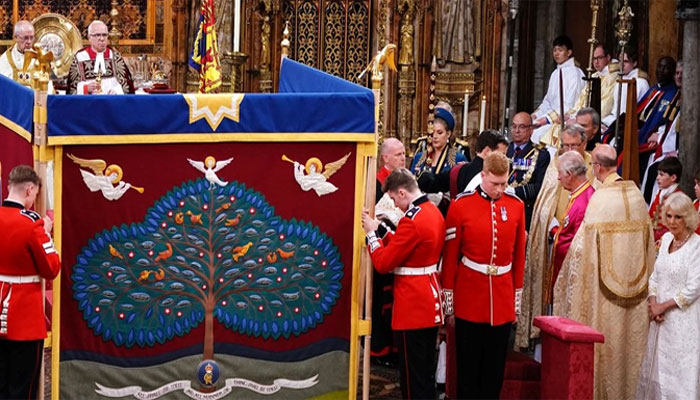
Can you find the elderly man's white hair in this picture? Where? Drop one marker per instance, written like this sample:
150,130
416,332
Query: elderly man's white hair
389,144
573,163
23,26
93,24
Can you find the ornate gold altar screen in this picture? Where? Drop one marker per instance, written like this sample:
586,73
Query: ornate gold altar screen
336,36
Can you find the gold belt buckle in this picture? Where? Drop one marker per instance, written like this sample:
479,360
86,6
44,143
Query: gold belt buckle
492,269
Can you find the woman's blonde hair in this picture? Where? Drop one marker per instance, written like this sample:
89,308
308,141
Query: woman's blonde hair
680,203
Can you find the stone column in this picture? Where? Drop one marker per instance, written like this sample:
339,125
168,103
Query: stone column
689,140
551,11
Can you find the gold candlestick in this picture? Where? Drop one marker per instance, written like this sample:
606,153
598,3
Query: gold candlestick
98,82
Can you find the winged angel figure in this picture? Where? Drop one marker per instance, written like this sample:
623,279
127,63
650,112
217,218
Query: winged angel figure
210,167
314,178
106,179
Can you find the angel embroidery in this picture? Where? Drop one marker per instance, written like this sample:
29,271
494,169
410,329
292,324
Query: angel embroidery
104,178
314,178
210,167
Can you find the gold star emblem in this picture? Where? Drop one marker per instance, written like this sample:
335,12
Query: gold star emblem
214,107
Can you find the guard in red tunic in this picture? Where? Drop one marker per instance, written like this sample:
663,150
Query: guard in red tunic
482,277
412,253
27,254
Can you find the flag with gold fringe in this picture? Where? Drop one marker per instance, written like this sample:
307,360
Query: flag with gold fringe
205,54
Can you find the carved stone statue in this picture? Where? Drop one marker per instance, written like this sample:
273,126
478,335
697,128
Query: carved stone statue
407,7
460,31
265,44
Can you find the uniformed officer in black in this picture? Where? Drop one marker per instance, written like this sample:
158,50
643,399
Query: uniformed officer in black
528,164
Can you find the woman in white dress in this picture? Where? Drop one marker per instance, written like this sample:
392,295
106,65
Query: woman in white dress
671,367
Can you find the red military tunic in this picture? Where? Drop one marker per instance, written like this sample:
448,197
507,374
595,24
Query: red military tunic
26,253
416,244
488,232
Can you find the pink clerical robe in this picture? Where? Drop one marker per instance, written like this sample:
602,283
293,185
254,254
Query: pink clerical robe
574,216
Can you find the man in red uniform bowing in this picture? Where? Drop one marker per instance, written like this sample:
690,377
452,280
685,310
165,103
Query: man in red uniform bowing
27,254
412,253
482,277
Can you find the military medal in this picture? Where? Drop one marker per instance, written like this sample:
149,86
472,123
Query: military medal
504,214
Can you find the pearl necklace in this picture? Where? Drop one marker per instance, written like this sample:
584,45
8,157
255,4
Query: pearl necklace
677,245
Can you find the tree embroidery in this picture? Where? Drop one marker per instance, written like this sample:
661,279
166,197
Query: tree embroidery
206,252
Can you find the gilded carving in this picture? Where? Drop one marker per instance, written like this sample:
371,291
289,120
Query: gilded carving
307,37
265,44
35,10
289,14
81,13
383,13
358,39
407,10
6,19
130,18
334,38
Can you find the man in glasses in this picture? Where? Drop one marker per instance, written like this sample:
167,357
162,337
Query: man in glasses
606,68
12,61
98,68
528,163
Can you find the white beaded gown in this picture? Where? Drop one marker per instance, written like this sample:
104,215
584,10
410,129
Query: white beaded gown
671,366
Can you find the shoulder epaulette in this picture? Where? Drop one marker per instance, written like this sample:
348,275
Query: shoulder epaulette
462,142
643,74
412,212
34,216
540,146
465,194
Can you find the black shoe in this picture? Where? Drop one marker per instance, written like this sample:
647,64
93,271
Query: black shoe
384,361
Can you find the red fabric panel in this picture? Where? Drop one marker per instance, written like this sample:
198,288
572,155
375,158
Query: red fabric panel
14,150
158,168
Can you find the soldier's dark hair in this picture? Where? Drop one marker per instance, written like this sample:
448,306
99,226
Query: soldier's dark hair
400,178
565,41
489,138
671,166
697,175
23,174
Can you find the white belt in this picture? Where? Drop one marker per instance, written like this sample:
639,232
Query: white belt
486,269
20,279
415,271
